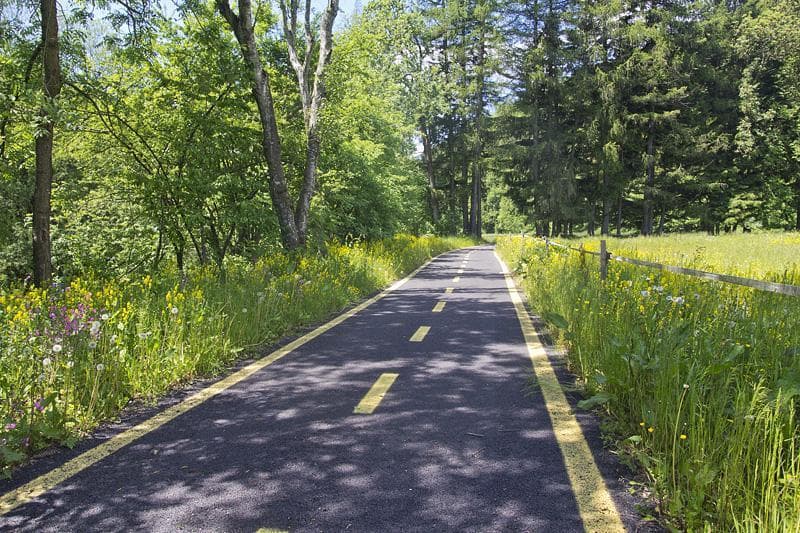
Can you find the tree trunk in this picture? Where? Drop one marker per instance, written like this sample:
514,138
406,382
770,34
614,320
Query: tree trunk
427,153
465,211
619,217
477,165
592,215
647,220
293,220
242,27
606,206
51,67
797,203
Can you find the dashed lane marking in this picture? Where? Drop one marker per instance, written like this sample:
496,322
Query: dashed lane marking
439,307
597,509
419,335
373,397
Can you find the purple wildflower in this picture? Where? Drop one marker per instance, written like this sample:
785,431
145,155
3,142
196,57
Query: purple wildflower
38,405
11,426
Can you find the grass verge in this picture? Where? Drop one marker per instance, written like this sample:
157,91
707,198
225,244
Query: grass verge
698,382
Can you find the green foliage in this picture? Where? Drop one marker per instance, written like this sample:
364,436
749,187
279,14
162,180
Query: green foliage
697,381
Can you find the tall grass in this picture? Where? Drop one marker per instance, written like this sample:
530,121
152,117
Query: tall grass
75,355
699,381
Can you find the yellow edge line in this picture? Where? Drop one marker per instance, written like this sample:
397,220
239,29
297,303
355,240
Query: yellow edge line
596,507
438,307
420,334
456,279
375,394
38,486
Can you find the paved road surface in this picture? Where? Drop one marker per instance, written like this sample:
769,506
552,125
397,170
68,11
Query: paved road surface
461,440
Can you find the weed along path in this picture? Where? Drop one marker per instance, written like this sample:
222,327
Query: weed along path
416,411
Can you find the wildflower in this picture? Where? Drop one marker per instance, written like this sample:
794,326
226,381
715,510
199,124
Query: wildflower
40,378
645,293
38,405
244,310
641,424
92,345
113,339
69,364
105,316
686,386
651,429
144,335
658,288
57,348
10,426
678,300
683,437
100,367
94,329
174,311
46,361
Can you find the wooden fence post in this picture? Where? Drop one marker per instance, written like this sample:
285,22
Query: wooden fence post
603,260
583,256
546,247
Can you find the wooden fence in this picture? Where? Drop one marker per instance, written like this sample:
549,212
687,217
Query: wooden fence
606,256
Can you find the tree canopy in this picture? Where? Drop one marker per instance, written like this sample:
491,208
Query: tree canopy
135,135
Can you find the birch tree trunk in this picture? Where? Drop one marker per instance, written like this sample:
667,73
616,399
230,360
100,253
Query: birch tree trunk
292,216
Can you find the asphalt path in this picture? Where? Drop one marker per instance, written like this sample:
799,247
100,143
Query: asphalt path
460,441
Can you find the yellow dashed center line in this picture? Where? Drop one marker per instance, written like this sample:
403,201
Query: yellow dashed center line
448,290
420,334
456,279
595,505
438,307
460,271
373,398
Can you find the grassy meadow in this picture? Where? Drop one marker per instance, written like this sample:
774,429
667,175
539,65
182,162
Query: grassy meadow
74,355
699,382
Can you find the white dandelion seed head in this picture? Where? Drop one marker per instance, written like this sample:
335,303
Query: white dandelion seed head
685,385
100,366
105,316
57,348
46,361
174,311
94,329
92,345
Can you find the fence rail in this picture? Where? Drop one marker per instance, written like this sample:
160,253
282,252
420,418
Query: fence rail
606,256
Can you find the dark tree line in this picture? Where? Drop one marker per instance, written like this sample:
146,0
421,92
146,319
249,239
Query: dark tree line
611,117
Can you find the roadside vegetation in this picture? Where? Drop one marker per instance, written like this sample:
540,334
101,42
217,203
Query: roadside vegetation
74,354
699,382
